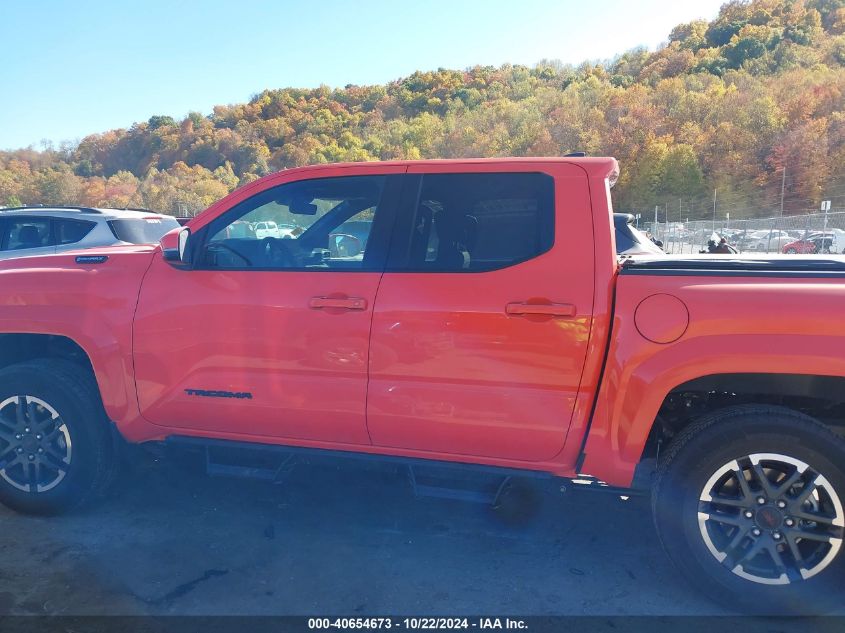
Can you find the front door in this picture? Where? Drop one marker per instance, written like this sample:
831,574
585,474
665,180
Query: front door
483,315
267,335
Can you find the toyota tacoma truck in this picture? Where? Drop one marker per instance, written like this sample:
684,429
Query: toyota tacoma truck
464,312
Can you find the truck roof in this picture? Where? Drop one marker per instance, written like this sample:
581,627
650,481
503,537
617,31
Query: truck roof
597,166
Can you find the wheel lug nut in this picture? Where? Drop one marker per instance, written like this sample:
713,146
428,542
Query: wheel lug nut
31,457
26,430
40,450
38,437
19,449
781,504
18,436
748,514
789,522
756,532
776,536
761,500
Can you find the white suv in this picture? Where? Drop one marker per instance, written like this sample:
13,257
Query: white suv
266,229
28,231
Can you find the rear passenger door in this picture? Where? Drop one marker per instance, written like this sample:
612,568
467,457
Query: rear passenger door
483,315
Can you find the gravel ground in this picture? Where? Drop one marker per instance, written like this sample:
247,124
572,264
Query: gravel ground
335,537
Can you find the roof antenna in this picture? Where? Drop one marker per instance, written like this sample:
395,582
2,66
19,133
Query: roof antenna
575,155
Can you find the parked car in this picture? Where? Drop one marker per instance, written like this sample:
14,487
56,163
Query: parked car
487,324
29,231
240,229
803,246
290,231
266,228
732,235
765,241
630,240
832,242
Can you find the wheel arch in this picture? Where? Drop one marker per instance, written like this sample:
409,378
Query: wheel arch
630,409
18,347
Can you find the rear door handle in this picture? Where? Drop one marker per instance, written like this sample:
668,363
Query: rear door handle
344,303
548,309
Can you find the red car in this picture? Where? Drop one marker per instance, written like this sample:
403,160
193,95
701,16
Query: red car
485,322
802,246
813,243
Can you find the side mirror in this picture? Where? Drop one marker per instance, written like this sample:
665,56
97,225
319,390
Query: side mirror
344,245
174,246
183,243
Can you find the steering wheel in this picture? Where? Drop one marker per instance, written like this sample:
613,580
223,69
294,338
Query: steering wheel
277,253
226,247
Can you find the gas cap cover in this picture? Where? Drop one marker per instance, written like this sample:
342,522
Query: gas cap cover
662,318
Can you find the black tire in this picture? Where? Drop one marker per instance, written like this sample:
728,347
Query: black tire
791,251
686,469
72,392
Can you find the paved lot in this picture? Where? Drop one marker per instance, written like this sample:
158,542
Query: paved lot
337,537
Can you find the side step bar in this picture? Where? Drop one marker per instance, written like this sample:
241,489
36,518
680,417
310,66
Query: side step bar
428,478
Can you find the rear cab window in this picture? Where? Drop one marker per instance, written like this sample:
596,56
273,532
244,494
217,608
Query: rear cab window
474,222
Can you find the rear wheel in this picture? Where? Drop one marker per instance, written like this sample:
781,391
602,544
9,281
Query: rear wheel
56,449
791,251
749,504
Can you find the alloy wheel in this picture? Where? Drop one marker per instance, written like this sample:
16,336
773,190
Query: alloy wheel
35,445
771,519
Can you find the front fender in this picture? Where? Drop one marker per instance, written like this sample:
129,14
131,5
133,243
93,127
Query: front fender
91,304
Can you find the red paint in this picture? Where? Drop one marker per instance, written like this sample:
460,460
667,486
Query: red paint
499,367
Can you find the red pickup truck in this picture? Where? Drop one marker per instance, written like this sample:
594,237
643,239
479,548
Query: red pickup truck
465,311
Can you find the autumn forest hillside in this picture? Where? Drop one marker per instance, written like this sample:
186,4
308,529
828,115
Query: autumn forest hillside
725,105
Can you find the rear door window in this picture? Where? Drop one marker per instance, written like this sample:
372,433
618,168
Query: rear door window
480,221
71,231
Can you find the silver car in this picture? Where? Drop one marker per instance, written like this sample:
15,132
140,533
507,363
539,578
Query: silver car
29,231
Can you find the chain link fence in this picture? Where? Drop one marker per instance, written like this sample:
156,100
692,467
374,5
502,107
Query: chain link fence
809,233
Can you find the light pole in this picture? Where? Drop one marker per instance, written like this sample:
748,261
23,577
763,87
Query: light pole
714,210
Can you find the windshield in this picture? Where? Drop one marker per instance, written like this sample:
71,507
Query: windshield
147,230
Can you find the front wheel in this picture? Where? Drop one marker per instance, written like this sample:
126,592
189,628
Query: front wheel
748,503
56,449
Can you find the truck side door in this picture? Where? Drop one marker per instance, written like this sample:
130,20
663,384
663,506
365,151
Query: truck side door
483,315
268,336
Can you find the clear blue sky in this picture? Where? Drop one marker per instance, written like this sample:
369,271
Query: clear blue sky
74,67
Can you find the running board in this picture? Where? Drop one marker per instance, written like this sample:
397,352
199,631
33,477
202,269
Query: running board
216,465
444,482
476,483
